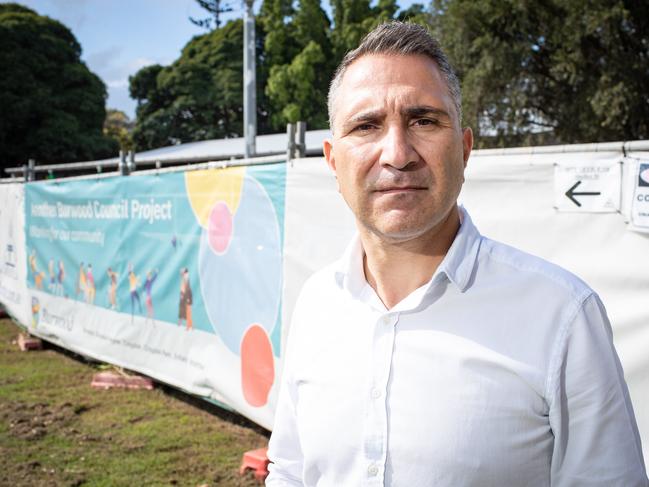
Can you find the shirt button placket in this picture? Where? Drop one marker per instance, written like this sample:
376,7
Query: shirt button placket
376,431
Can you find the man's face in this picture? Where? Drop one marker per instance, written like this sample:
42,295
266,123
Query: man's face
398,151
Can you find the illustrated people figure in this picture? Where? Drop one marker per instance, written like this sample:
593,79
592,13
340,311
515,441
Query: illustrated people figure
185,304
36,308
50,267
188,301
133,282
148,285
81,282
90,285
59,279
38,279
33,266
112,289
182,309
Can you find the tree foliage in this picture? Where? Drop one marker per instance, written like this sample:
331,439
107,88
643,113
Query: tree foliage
118,127
551,71
201,94
300,75
198,97
304,47
215,8
52,105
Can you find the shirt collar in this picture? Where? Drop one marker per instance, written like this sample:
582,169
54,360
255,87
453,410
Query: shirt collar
457,265
350,274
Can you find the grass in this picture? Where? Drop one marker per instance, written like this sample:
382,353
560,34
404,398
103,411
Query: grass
56,430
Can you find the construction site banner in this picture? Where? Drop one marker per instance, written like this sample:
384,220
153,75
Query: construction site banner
13,288
176,275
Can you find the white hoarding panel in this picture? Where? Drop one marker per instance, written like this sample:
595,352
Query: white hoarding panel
513,199
13,269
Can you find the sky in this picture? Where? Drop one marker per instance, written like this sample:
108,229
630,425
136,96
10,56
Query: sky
118,37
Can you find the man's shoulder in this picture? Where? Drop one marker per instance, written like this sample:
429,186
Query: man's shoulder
502,259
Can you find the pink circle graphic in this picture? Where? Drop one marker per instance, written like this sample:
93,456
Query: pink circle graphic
257,366
219,227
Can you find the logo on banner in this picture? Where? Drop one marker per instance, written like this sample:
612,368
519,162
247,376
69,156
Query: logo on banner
640,206
643,176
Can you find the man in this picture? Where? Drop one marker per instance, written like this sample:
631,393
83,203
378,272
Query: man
430,355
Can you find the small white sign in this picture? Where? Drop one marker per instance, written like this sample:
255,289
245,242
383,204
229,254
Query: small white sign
640,205
592,187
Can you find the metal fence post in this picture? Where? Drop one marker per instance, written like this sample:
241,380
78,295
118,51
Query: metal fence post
123,166
131,162
300,145
249,81
290,143
29,172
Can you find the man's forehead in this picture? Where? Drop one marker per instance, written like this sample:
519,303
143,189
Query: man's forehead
381,68
375,80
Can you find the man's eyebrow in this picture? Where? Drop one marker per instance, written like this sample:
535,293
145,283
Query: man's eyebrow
366,116
425,110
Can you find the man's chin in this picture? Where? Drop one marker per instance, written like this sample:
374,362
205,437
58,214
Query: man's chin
403,226
399,231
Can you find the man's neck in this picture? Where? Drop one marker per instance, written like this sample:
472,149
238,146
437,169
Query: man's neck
394,269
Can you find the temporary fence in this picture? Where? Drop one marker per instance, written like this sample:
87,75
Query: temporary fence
190,275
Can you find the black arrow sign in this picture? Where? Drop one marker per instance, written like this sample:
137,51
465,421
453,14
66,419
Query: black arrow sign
571,193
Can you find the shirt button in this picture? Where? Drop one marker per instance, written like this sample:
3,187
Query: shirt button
376,393
387,320
372,470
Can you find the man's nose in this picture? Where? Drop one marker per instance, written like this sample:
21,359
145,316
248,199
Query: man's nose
396,148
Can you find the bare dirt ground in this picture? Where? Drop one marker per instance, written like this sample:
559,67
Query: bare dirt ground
55,430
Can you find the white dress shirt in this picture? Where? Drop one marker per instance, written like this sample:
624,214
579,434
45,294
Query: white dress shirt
498,372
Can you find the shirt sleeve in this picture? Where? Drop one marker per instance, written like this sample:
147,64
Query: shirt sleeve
596,440
284,450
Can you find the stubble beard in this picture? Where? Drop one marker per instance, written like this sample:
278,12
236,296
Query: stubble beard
398,226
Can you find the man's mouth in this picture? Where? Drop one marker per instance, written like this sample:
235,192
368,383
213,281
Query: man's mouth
399,189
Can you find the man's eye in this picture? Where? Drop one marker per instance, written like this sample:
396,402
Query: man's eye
364,127
425,121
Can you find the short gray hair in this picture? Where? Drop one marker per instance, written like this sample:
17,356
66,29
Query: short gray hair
401,39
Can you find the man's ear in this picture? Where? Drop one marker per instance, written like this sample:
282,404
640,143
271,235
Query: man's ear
467,143
327,149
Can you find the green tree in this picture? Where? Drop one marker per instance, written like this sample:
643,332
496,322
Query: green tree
416,13
118,127
215,8
352,20
53,106
297,87
143,87
303,50
198,97
274,20
311,24
553,71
